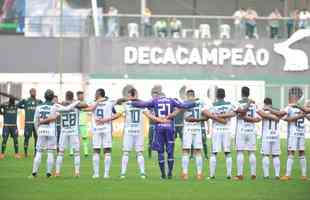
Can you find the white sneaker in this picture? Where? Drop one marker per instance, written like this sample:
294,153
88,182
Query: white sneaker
122,176
95,176
143,176
106,176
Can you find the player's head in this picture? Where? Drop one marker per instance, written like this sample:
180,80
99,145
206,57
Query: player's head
55,99
33,92
69,96
80,95
49,95
245,92
132,94
268,101
156,91
220,93
294,94
100,93
11,100
190,94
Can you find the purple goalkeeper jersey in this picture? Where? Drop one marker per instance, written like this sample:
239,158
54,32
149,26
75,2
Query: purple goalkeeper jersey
163,106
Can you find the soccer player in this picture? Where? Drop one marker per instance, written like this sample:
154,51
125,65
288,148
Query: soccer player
133,133
45,124
164,132
83,117
270,139
9,112
55,101
246,133
69,136
294,115
103,113
29,105
221,132
192,135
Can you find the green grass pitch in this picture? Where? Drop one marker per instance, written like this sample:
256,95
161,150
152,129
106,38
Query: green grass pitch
14,183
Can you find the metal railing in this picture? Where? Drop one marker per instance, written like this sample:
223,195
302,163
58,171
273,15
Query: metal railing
188,26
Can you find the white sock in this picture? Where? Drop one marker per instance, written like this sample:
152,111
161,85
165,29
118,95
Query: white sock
125,159
107,164
212,165
199,163
240,161
266,164
59,161
96,161
289,165
50,161
77,162
37,162
185,162
276,165
252,160
140,160
228,165
303,165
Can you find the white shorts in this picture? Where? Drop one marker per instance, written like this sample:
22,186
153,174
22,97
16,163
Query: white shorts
271,147
246,142
130,141
102,140
220,141
190,140
295,143
71,141
46,142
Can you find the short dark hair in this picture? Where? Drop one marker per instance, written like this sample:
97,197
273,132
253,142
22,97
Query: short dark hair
101,92
49,95
268,101
79,93
245,91
69,95
190,91
220,93
132,92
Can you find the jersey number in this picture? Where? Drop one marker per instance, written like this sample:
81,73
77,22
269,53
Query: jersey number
43,114
300,123
275,125
68,120
135,116
195,113
99,113
163,109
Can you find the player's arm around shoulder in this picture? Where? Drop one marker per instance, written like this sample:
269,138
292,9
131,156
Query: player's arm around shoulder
152,117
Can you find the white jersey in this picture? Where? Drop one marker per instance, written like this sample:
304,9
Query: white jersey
270,130
243,126
46,110
295,128
195,112
221,107
69,122
104,109
134,123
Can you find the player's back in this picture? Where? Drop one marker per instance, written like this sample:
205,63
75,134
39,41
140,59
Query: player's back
133,119
69,121
296,127
221,107
104,109
43,112
195,112
251,112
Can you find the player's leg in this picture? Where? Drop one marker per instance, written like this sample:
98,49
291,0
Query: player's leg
97,144
5,137
186,146
158,145
58,132
127,147
302,158
292,147
14,135
63,141
276,151
170,151
227,150
251,146
27,136
266,151
197,142
204,143
240,142
85,139
51,147
150,137
139,146
107,147
75,143
35,136
41,145
216,147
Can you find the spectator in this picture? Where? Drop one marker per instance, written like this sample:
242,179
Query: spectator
146,22
274,23
292,22
303,19
239,17
20,8
250,22
160,28
113,22
175,27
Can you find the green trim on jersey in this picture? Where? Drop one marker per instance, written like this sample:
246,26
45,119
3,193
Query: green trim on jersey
29,105
221,103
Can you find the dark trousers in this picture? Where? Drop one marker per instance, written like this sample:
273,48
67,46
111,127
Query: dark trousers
6,133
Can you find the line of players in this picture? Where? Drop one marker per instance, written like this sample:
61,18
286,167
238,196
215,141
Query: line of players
162,111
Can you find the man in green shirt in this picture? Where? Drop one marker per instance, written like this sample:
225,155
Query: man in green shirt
9,112
29,105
